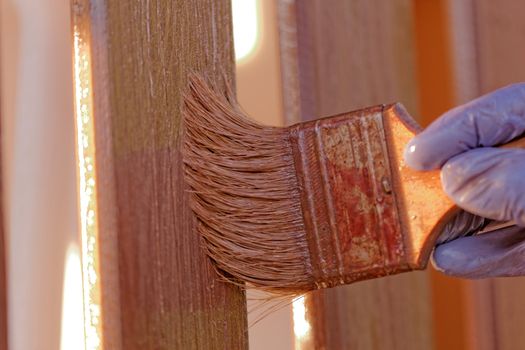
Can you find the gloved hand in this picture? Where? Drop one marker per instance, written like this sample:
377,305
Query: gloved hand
488,183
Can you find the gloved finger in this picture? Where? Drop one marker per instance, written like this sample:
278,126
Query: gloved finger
493,119
500,253
488,182
463,224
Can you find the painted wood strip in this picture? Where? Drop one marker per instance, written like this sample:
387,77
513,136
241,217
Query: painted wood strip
155,287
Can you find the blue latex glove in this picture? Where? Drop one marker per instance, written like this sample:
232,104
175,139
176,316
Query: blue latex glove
488,183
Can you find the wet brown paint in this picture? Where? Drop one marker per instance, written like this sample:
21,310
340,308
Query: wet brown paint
314,205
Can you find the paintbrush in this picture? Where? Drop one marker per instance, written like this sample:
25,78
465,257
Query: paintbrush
313,205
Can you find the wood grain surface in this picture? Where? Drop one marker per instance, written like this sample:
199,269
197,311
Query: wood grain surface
3,288
158,289
348,55
487,53
288,44
3,260
3,277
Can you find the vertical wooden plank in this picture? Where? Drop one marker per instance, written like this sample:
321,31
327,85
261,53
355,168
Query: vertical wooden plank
499,37
3,288
3,291
3,259
154,286
481,41
350,54
288,42
3,268
488,53
433,64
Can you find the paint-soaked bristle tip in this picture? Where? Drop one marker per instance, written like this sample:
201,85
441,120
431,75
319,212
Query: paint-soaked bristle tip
244,193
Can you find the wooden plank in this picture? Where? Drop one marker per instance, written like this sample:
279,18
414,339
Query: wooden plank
349,55
3,269
499,31
309,75
288,43
481,43
3,289
3,251
488,53
154,286
3,257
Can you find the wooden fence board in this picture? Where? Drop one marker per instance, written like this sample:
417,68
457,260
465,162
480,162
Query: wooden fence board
3,279
351,54
3,258
157,289
488,53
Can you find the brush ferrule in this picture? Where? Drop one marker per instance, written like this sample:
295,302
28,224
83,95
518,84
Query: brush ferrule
349,209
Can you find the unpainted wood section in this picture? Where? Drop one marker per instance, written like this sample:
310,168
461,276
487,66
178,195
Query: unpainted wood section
353,54
159,290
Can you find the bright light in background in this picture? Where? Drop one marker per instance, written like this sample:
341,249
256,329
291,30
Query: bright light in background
245,27
301,327
72,333
87,191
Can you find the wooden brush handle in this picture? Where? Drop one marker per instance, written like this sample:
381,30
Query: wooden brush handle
518,143
366,213
427,208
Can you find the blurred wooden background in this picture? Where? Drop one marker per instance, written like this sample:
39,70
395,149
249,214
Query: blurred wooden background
431,56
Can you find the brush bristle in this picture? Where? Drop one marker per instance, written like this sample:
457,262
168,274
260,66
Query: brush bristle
244,193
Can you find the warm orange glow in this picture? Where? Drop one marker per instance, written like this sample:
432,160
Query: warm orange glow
87,192
72,332
246,27
301,326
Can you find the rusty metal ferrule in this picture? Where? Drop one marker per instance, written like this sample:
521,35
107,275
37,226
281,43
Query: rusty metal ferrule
349,208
